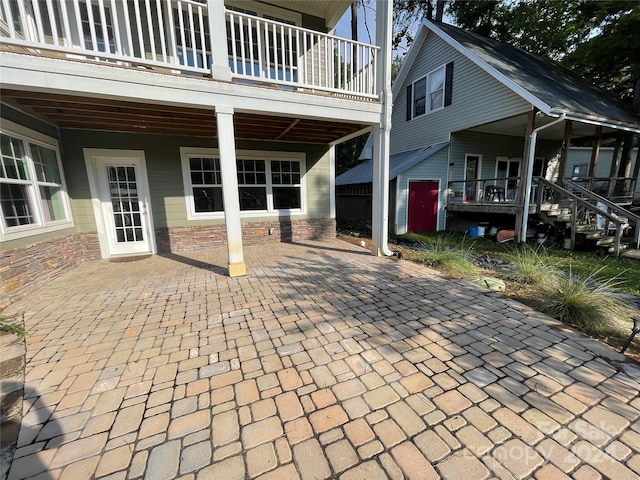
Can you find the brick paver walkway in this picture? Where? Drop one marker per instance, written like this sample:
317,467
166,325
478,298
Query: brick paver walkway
323,362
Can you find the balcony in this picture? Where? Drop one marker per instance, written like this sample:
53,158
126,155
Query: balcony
176,36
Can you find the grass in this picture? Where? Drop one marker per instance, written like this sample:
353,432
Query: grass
10,326
531,265
586,301
453,260
626,271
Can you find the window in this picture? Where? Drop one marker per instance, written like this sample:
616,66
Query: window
268,182
206,184
580,170
285,180
33,194
252,184
436,89
431,92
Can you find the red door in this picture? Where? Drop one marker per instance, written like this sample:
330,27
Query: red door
423,206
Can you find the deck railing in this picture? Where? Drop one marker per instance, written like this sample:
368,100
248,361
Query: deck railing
617,189
484,191
281,53
175,35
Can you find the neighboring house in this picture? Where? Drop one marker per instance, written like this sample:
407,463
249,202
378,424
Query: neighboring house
136,128
503,115
578,162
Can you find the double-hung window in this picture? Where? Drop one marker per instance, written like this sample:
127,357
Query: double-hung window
32,191
430,93
268,182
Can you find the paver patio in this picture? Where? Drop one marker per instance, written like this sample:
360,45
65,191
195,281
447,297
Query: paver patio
323,362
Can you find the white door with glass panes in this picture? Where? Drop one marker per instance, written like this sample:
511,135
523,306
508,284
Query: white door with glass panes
120,190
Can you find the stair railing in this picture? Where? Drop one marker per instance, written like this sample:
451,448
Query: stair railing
612,207
545,185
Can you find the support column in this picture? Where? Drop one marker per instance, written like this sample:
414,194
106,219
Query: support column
527,158
595,153
230,196
615,161
218,38
380,194
566,141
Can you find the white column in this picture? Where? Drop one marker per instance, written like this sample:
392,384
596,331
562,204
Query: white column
218,37
230,197
380,194
332,182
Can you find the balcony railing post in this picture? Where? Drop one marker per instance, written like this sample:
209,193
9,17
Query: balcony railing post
218,40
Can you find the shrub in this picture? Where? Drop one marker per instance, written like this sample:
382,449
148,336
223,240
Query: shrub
583,301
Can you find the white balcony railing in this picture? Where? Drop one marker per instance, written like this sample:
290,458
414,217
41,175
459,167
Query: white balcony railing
175,34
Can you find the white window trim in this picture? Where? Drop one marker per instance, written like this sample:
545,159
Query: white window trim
187,152
39,227
479,181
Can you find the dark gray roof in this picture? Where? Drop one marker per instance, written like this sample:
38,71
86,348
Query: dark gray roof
398,164
546,80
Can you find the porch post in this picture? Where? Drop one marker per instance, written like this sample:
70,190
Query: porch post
615,161
595,153
230,197
566,141
218,38
380,194
522,216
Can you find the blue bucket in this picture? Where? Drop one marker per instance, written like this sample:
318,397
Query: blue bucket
473,231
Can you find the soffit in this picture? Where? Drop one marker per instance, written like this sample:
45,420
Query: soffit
75,112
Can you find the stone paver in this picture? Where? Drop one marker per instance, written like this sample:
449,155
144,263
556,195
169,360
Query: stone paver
323,362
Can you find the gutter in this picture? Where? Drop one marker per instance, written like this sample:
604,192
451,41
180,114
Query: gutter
593,120
527,191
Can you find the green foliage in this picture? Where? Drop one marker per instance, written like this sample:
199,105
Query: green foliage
531,265
585,301
441,254
10,326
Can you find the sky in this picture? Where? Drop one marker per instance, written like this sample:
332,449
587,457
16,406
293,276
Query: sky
343,28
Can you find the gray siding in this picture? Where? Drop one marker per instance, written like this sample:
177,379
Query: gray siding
477,98
490,147
433,168
162,154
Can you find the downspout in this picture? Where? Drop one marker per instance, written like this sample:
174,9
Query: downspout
527,191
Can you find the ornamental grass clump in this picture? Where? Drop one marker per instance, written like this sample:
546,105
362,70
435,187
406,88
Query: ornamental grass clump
456,262
583,301
531,265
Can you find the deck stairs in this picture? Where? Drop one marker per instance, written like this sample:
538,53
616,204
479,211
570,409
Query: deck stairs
587,219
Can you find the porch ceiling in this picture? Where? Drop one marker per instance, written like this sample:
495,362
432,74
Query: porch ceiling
517,126
76,112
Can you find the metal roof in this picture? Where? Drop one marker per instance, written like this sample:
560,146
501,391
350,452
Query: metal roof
398,164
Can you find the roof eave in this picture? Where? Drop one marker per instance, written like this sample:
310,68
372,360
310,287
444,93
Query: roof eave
595,120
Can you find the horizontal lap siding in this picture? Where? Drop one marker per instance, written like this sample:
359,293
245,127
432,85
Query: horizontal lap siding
433,168
477,98
490,147
164,171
